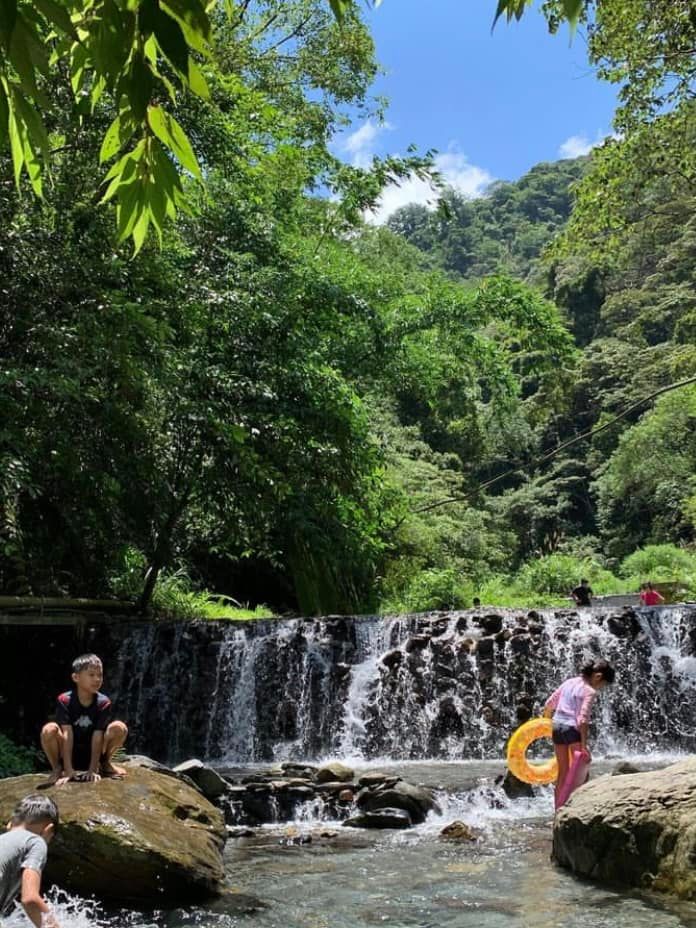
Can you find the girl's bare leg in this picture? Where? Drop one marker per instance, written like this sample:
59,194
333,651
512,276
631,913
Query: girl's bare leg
562,755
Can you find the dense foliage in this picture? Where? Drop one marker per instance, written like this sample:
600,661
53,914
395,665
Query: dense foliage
285,406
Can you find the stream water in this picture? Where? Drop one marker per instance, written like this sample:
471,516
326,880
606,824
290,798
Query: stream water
349,878
422,692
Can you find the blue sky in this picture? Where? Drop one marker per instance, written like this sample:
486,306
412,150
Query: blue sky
493,104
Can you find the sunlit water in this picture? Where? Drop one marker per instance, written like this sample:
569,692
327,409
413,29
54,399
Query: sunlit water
348,878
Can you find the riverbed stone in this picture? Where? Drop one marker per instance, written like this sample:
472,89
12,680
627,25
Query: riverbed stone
384,818
377,778
624,768
458,831
418,801
515,788
637,830
206,779
146,839
334,771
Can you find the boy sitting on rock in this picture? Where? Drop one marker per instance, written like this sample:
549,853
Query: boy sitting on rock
23,850
81,742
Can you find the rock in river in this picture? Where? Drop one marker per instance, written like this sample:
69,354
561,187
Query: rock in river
147,838
209,781
637,830
334,771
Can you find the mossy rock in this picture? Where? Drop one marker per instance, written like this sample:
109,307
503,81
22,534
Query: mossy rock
637,830
148,838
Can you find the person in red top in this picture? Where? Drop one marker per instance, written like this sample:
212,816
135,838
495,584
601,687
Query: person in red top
650,597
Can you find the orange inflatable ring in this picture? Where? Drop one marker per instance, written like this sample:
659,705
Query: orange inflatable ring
525,770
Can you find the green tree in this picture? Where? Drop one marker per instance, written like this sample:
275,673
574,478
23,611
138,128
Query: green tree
647,488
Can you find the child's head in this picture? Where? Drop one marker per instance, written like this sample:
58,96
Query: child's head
38,814
648,585
584,582
87,673
598,673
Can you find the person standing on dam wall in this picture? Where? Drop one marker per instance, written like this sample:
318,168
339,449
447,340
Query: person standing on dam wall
582,594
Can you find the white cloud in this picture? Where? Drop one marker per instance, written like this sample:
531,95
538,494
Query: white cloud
360,145
578,145
456,171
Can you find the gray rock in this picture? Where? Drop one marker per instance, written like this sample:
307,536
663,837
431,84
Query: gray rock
239,832
206,779
637,830
377,778
624,768
334,770
418,801
458,831
385,818
516,789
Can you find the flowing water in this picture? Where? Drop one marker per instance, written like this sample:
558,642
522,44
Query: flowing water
346,878
434,697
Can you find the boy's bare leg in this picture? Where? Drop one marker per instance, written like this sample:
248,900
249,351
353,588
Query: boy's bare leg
52,743
114,738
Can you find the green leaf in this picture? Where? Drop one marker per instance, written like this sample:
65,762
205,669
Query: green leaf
4,112
191,14
8,18
171,41
339,8
57,14
197,81
21,60
32,121
572,10
16,146
170,133
112,141
140,228
138,87
127,210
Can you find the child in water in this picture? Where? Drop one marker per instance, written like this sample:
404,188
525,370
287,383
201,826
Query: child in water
570,707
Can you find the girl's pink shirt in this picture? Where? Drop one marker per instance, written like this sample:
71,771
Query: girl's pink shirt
572,702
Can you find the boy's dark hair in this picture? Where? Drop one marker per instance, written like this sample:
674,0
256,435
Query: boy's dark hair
84,661
584,581
599,666
35,810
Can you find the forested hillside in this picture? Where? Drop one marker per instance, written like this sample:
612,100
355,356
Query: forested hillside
503,232
631,312
281,404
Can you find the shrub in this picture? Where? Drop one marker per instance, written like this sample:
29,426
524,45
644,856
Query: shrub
15,760
432,589
560,573
659,562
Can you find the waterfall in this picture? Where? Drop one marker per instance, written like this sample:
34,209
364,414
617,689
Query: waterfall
435,685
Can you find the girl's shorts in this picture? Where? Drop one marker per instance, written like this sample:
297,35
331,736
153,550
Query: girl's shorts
565,734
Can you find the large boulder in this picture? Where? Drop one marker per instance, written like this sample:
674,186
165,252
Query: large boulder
145,839
636,830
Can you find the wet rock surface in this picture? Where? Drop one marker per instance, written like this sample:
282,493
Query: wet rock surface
264,798
144,839
637,830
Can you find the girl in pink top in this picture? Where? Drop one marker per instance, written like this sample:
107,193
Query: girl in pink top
570,707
